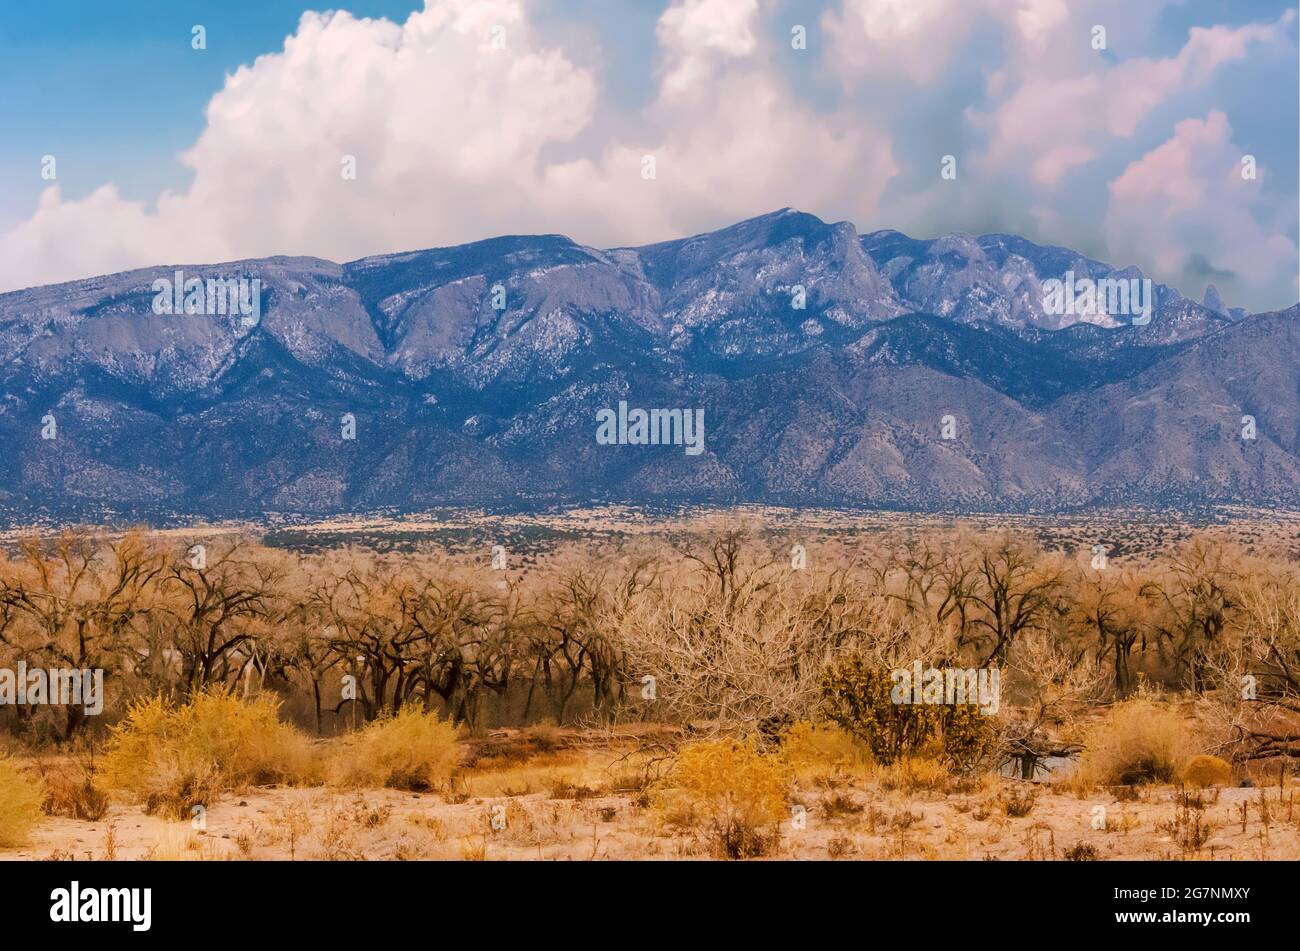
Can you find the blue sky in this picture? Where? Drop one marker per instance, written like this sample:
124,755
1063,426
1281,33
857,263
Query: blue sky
168,154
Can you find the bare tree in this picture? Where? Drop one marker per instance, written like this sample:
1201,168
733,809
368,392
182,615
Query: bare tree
218,609
1015,592
75,601
1193,600
1257,669
1051,674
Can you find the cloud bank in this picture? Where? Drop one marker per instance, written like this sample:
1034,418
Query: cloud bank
364,136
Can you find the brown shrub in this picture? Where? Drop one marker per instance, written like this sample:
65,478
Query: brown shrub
1204,770
1139,741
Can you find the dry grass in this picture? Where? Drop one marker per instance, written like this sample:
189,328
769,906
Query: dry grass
733,794
178,757
72,788
818,752
913,774
75,798
20,803
410,750
1139,741
178,842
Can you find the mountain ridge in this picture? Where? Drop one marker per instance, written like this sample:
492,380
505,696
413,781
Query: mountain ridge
826,363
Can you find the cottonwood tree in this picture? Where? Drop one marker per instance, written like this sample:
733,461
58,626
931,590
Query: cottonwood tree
303,647
220,609
471,640
733,642
571,644
1108,609
1049,674
367,607
1257,704
1193,600
1015,590
568,626
76,601
423,633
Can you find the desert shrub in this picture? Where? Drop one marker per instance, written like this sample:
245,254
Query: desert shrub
840,805
71,787
74,797
176,757
177,789
1188,828
567,789
734,793
818,747
840,847
1139,741
1019,803
914,774
1081,852
20,803
408,750
859,699
1195,798
969,738
1202,771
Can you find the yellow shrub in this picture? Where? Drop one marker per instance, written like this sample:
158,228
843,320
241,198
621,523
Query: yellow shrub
176,757
20,804
914,774
412,750
823,748
859,698
1207,771
1139,741
735,793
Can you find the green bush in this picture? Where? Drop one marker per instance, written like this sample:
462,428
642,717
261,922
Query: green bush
856,697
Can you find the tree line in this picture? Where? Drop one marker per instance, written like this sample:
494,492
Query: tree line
735,629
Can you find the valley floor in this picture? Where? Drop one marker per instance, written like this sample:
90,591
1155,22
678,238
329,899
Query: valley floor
542,809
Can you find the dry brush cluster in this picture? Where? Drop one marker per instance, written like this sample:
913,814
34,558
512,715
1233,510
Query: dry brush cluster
725,632
206,657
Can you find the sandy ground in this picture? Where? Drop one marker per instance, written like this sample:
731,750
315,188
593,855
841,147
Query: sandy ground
851,819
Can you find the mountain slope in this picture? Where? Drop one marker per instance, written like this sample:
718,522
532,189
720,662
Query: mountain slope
831,368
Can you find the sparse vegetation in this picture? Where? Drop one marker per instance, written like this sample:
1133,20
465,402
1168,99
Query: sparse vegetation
575,689
1139,741
20,803
407,750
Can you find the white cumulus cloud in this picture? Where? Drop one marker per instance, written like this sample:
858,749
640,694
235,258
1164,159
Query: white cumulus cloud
454,139
1192,187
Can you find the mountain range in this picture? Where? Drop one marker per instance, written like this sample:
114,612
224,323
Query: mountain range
833,368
